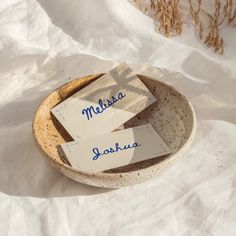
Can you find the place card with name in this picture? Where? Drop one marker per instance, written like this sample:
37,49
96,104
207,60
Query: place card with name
115,149
105,104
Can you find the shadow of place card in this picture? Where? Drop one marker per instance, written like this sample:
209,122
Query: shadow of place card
115,149
105,104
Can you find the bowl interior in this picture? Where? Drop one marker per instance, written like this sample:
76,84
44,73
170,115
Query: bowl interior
171,115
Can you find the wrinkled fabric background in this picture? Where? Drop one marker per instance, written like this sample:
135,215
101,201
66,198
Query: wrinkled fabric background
43,44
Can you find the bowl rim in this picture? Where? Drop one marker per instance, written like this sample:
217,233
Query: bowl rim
63,165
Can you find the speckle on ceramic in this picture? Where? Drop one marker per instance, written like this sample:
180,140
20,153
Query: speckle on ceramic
172,116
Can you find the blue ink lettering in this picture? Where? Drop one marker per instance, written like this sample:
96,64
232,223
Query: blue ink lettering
106,152
97,153
109,103
112,150
102,106
114,99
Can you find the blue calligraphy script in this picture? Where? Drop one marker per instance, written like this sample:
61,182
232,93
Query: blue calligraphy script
102,105
112,150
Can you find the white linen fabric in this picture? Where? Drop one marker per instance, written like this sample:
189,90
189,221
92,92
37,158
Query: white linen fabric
43,44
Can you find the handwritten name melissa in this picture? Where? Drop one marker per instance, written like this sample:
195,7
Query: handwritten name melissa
112,150
102,105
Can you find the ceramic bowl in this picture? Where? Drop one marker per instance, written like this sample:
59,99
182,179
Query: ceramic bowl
172,116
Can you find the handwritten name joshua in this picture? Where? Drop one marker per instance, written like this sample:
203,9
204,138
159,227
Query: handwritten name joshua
102,105
117,148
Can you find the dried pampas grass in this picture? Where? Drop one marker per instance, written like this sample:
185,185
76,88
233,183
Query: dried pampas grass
207,16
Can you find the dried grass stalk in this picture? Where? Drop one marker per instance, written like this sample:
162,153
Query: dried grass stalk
169,16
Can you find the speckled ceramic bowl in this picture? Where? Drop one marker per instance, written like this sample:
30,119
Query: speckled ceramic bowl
172,116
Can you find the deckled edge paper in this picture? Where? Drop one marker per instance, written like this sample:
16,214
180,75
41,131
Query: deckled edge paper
115,149
105,104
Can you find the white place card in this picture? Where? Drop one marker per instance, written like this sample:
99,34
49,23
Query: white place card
115,149
105,104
